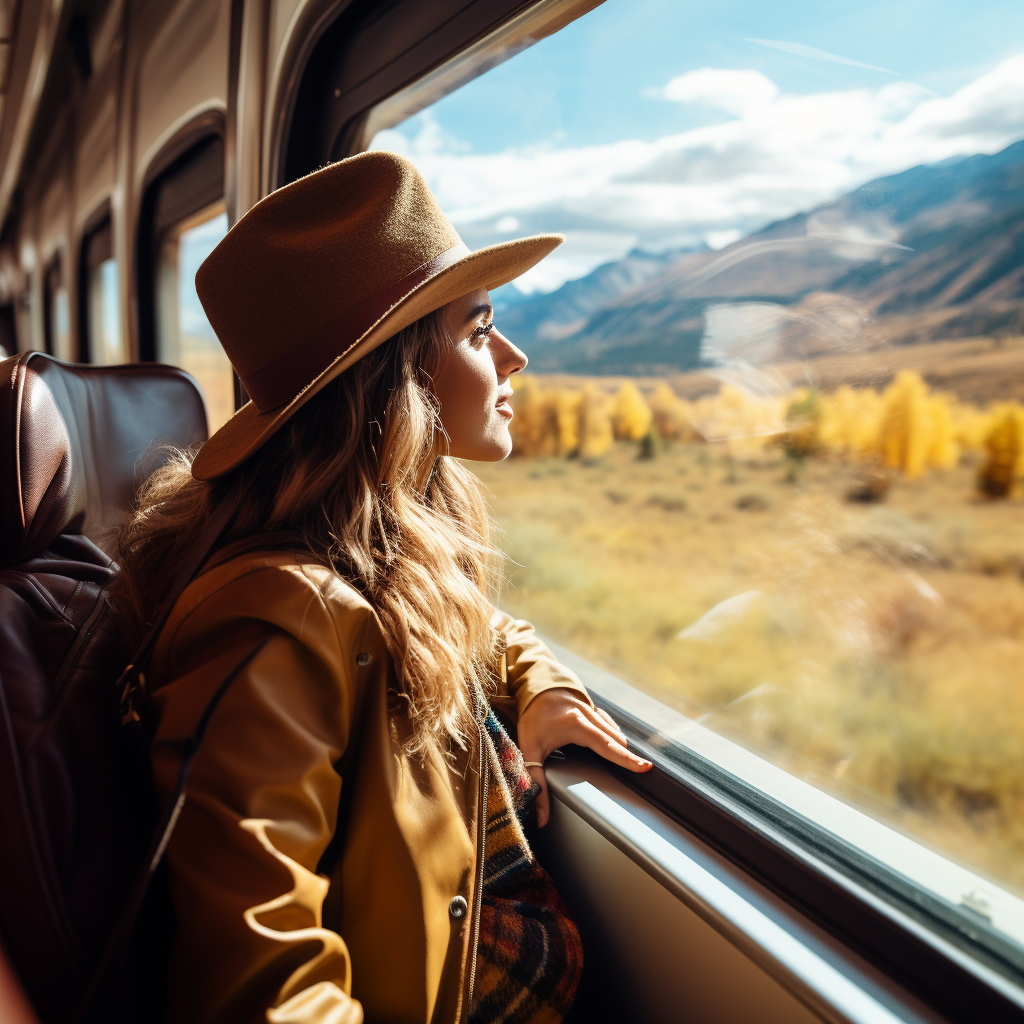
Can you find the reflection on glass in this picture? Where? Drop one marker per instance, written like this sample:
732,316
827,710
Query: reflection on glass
770,453
105,314
185,337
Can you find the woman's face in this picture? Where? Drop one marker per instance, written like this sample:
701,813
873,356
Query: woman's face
472,383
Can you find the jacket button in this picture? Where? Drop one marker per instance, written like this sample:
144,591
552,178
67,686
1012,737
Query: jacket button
458,907
363,659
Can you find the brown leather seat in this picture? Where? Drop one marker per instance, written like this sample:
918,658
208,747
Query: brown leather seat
75,443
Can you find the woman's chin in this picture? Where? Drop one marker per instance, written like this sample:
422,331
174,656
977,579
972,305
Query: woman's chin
496,446
498,451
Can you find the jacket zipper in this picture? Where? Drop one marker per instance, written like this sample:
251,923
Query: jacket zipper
480,857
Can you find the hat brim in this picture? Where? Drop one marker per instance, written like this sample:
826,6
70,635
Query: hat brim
488,268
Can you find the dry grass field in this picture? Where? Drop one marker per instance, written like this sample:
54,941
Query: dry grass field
874,648
207,362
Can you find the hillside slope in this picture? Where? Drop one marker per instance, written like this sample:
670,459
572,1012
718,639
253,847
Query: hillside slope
557,314
948,237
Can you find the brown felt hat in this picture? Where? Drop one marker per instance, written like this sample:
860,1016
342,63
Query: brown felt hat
323,271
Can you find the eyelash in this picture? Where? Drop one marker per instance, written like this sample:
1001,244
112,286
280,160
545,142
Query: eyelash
483,330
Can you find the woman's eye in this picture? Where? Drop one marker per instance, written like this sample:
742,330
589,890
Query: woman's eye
483,330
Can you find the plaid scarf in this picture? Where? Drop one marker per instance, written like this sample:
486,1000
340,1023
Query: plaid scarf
529,956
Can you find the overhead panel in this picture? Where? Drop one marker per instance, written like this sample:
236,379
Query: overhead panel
184,70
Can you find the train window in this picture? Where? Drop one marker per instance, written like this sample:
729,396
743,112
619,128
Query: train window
183,218
184,335
102,299
57,327
770,447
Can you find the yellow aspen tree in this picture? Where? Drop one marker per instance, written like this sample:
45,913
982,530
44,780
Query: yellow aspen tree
942,450
595,422
1004,442
527,425
833,428
850,421
905,435
566,413
671,415
802,419
547,443
631,415
970,425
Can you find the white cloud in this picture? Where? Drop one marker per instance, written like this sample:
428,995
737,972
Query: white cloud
735,92
720,239
777,155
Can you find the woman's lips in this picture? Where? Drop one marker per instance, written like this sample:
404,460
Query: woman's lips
504,409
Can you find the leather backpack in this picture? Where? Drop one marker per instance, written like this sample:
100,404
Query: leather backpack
77,813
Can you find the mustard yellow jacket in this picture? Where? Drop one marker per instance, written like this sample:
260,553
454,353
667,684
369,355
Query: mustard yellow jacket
260,934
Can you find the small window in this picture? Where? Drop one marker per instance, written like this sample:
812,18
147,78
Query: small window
184,335
183,218
103,338
58,319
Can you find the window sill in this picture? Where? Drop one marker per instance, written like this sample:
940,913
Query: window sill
831,982
900,906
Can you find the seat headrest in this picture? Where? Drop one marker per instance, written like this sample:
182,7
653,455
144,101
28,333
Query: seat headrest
76,443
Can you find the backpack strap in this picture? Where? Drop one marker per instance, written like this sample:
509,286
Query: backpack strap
116,952
136,708
137,711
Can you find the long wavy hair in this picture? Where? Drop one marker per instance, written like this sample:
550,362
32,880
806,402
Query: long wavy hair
360,472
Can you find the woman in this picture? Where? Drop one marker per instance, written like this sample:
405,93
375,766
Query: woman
351,841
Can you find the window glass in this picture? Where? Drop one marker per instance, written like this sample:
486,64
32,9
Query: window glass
58,322
769,456
105,313
61,323
184,335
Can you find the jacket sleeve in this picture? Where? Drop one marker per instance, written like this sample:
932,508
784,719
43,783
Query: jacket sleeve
531,668
261,808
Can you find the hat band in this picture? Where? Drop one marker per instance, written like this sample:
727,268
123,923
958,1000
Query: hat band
284,378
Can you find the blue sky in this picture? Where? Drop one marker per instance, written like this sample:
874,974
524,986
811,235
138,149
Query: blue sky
586,84
659,123
193,247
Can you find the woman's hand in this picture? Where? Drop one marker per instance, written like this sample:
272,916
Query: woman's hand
557,717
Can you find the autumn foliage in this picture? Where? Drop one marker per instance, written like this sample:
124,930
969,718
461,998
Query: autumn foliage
904,428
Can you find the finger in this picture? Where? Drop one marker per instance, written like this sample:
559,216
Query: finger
612,726
543,806
610,749
596,718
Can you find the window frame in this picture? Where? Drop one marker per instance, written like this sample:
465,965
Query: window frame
174,167
181,181
409,55
931,950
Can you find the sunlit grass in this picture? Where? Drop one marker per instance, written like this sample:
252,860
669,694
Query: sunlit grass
883,659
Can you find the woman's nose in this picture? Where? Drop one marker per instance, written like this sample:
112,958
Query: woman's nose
508,359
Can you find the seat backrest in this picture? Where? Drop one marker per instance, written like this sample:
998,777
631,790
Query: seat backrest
76,442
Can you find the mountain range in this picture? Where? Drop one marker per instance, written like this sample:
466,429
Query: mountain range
934,251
